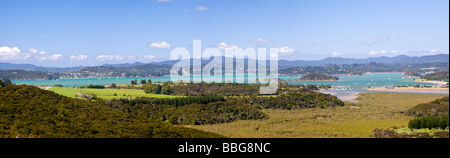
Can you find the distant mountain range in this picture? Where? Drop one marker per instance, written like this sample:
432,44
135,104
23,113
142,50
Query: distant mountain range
282,64
401,59
31,67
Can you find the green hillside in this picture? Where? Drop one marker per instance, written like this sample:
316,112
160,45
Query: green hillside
30,112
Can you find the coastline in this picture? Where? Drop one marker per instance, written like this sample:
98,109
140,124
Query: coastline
434,82
412,90
344,96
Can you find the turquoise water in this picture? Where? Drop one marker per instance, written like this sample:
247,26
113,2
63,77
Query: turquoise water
356,83
360,83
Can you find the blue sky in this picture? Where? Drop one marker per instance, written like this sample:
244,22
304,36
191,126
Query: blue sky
64,33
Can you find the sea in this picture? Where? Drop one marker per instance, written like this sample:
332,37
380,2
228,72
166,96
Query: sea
346,83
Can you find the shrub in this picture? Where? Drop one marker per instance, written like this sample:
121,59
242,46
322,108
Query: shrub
58,85
113,85
430,122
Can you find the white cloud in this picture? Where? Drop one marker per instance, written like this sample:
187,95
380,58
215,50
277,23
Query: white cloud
165,0
433,50
104,57
33,50
386,53
372,42
261,41
8,53
56,57
78,57
150,57
392,37
286,50
163,45
223,46
337,54
109,57
42,55
118,57
202,8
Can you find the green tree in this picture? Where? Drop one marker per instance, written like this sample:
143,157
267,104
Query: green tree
166,90
113,85
143,81
156,89
133,82
148,87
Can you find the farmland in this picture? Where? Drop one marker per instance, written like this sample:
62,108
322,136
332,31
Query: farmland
107,93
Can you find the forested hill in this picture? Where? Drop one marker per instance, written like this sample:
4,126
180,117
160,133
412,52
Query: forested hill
26,75
30,112
144,70
318,77
438,76
412,74
360,69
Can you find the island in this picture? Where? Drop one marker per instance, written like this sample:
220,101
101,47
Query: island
318,77
412,74
441,78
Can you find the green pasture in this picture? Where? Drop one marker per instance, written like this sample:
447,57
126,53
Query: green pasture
107,93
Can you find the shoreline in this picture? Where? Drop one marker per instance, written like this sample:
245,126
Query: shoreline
412,90
346,96
434,82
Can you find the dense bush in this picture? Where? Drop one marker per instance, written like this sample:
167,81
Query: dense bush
395,132
430,122
28,111
225,89
430,115
58,85
318,77
435,108
437,76
297,100
152,88
232,89
96,86
190,110
6,83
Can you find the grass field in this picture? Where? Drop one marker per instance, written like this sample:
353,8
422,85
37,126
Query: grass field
376,110
107,93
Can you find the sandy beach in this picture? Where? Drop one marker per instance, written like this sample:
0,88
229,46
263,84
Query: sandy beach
347,96
351,97
434,82
412,90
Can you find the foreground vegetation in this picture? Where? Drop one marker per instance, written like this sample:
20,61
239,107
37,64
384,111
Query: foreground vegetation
430,121
30,112
190,110
198,106
355,120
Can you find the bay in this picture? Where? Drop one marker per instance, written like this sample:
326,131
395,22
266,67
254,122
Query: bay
346,82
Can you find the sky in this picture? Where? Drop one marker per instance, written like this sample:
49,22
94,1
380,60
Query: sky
65,33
